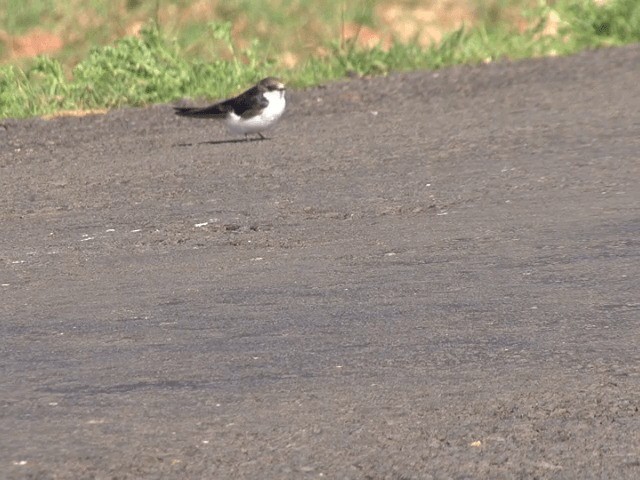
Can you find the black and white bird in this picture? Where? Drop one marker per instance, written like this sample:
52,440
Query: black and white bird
254,111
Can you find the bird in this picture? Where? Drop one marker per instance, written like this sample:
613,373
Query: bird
253,111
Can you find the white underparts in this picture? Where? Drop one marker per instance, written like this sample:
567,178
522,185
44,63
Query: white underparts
265,120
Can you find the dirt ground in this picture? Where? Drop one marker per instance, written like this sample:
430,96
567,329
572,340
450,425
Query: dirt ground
424,276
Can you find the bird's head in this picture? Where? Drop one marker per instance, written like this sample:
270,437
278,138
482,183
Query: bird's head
271,84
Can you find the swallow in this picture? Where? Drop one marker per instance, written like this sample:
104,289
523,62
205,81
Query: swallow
252,112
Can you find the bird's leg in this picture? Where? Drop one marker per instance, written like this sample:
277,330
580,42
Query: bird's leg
262,137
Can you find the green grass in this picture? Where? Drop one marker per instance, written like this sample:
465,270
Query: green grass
154,68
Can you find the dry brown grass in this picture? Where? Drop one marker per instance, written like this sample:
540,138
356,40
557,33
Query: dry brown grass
297,30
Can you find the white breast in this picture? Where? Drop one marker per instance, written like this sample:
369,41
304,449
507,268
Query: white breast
267,119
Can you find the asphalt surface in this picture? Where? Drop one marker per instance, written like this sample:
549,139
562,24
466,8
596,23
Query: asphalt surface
429,275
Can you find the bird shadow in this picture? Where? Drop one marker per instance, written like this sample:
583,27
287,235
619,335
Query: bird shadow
222,142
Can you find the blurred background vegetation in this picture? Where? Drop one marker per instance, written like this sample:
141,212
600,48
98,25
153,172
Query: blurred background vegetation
291,29
95,54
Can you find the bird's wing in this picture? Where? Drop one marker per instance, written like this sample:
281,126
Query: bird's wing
257,108
247,104
218,110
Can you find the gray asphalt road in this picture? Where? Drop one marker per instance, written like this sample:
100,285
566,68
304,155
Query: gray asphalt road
430,275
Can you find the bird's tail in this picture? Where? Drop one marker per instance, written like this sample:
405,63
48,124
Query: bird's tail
195,112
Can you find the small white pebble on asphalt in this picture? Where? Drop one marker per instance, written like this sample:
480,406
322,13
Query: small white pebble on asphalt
338,366
203,224
108,230
256,259
86,239
205,441
442,213
136,230
5,284
390,254
373,112
53,404
20,462
477,443
17,261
